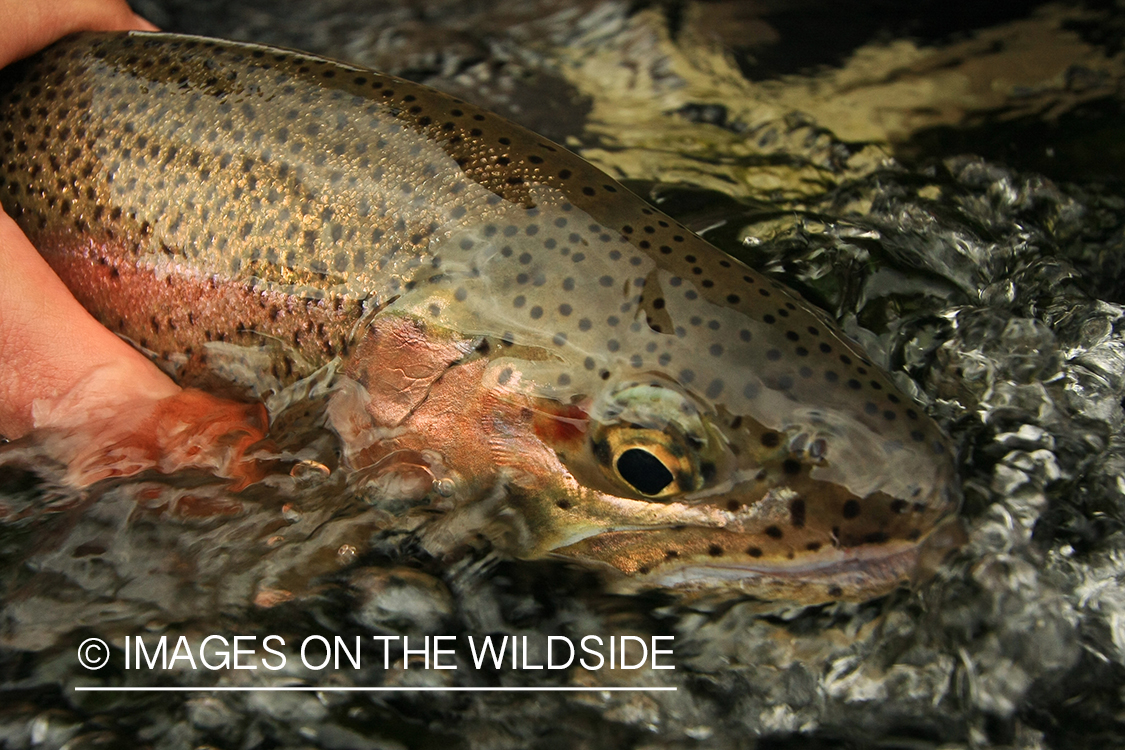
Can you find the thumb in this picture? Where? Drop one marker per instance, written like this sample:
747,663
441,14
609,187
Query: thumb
30,26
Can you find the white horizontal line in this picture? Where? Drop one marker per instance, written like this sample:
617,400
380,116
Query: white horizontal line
314,689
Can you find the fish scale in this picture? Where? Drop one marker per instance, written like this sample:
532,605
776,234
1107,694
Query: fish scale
725,434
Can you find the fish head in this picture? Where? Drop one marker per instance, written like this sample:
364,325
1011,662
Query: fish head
676,419
671,490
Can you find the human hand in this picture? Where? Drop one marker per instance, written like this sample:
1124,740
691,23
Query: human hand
103,408
60,367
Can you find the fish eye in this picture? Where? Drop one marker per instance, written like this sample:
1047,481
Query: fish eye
652,462
649,440
646,473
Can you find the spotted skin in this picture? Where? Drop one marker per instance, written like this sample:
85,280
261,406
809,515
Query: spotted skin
643,401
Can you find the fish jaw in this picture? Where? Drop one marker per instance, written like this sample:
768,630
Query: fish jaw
650,559
831,574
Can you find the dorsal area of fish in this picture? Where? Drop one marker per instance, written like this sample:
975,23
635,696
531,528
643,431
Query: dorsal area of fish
693,423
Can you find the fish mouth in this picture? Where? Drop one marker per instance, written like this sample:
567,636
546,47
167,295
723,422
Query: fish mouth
854,573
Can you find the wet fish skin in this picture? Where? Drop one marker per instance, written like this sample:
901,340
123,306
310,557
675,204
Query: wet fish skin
576,372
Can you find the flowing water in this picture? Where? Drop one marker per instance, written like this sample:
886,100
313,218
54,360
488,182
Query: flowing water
945,182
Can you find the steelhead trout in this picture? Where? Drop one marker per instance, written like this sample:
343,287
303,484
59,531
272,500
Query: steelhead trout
518,330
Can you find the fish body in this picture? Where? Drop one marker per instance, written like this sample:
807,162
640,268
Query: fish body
522,335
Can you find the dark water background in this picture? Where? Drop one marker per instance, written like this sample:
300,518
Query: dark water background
945,178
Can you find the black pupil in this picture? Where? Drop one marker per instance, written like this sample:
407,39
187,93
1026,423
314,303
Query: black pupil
644,471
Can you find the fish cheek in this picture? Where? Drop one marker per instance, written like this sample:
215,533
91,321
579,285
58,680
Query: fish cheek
552,493
542,502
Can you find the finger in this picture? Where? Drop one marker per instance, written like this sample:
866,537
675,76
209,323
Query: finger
30,26
53,350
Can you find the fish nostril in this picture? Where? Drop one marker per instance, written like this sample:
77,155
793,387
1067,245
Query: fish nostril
818,448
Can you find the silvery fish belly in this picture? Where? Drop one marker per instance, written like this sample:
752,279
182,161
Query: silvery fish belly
548,356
